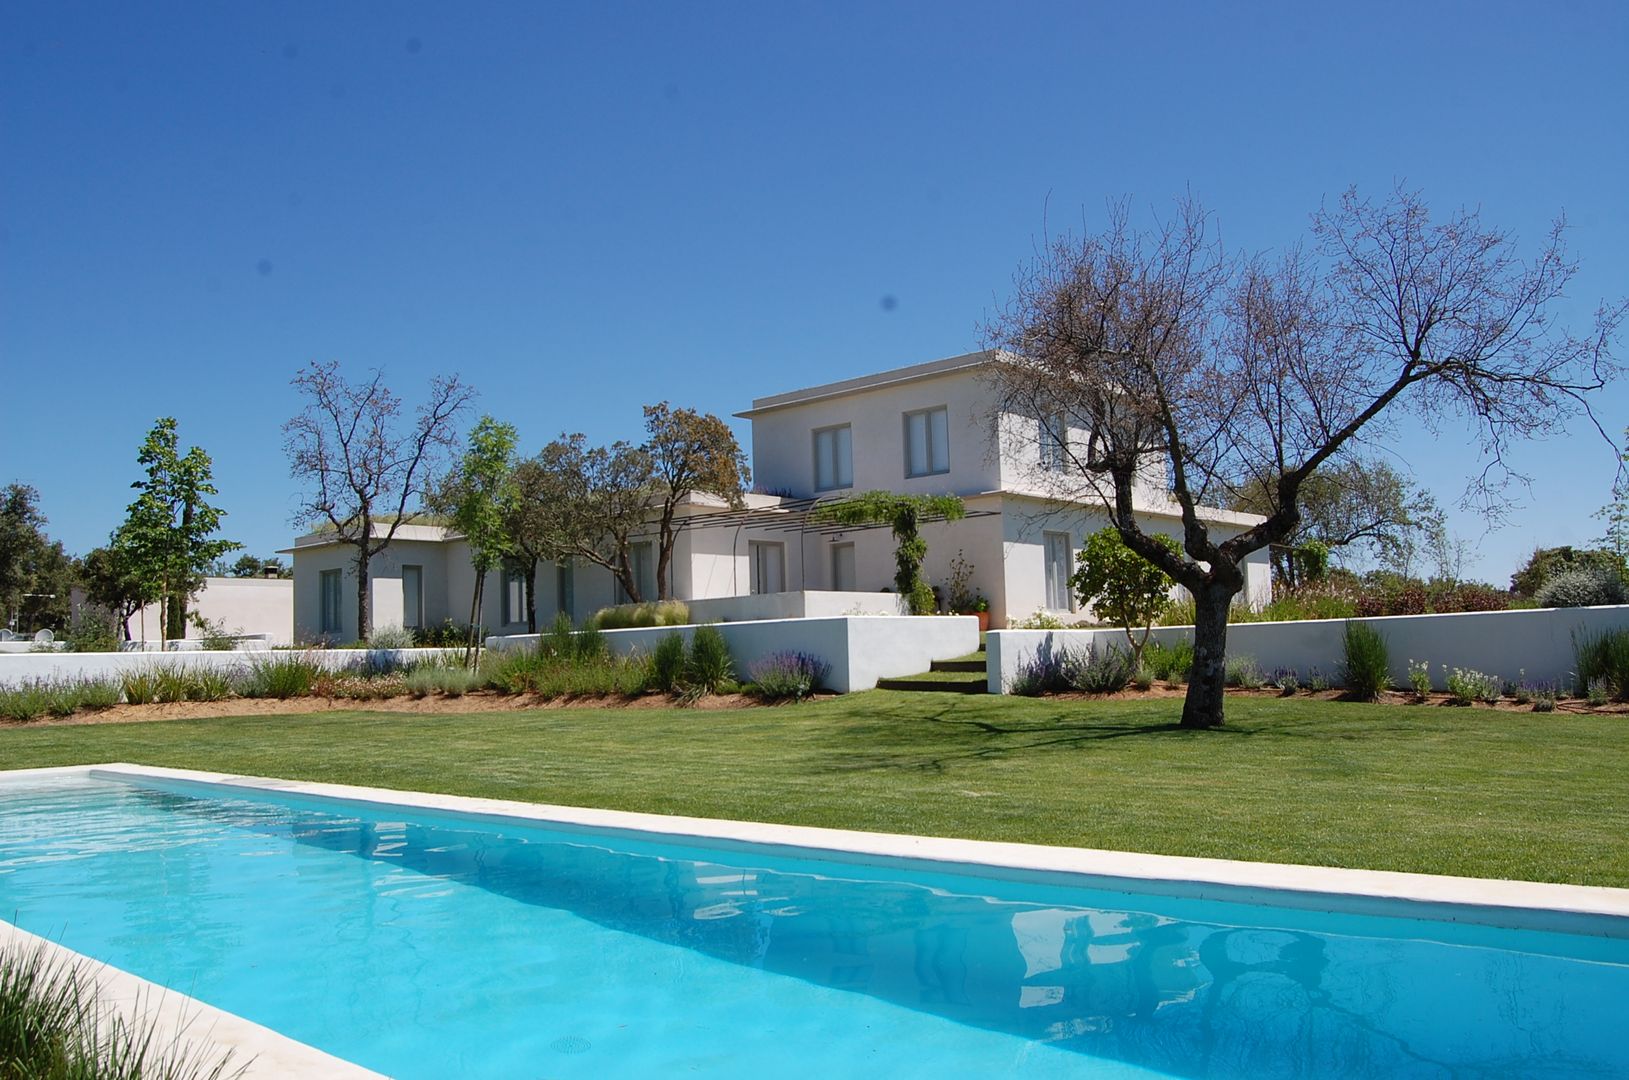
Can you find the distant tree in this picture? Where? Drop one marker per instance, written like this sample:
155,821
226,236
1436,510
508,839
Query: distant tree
477,497
1350,506
589,503
1218,373
1546,563
1123,587
904,515
527,519
169,531
689,452
361,469
1616,513
245,566
34,570
112,582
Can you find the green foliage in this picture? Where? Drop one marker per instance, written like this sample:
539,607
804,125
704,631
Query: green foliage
787,676
1366,669
904,515
1588,586
140,686
569,671
1546,563
168,534
1169,663
1245,673
426,679
52,1027
1121,586
282,676
667,663
689,452
921,598
1098,671
92,632
1311,560
1466,685
444,635
24,702
1598,692
1419,678
1604,658
650,613
708,665
213,636
35,573
395,638
1040,620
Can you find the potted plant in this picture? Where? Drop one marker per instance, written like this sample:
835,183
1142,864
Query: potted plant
981,608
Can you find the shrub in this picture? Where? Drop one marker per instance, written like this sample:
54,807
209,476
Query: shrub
1544,701
1042,673
1317,681
393,637
1170,663
667,664
140,687
707,666
1039,621
921,599
651,613
98,694
1584,587
508,671
1466,685
285,676
1143,679
1602,657
214,636
1245,673
1598,693
1419,677
784,675
446,635
1365,671
1546,563
1321,600
1097,671
25,702
172,684
93,633
1286,679
1121,586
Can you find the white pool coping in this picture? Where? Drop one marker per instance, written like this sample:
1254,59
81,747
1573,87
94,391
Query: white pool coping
187,1027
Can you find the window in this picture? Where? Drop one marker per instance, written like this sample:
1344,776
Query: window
412,597
514,596
927,442
1053,436
329,582
642,567
565,590
768,566
1059,597
834,458
842,568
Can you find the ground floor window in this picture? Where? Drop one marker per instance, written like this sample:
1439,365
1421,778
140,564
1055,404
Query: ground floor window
842,568
1059,597
768,566
514,596
329,586
565,590
412,597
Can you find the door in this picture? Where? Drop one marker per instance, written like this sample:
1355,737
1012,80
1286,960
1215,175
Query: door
842,568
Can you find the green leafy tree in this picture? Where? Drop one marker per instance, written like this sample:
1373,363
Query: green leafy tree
1123,587
113,583
362,469
527,519
35,573
169,531
904,515
689,452
1546,563
477,498
588,503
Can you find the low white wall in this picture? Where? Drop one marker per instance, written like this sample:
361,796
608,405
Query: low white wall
802,604
1535,644
860,648
16,670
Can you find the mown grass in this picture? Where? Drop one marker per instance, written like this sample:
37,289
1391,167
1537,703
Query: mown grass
1435,790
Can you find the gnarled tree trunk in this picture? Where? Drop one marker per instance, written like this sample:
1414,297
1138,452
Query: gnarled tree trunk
1207,685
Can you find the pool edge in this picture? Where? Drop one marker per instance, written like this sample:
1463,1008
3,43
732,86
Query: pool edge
1580,909
188,1024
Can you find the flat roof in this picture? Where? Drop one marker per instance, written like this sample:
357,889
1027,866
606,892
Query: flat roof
891,377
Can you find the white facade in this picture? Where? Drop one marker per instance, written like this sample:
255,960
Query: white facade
243,607
929,429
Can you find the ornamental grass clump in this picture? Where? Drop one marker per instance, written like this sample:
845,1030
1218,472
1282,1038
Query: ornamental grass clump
785,676
24,702
1602,657
651,613
140,687
666,671
708,666
1366,670
286,676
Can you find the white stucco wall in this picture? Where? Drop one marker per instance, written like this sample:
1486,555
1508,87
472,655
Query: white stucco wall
795,605
860,649
242,606
1536,645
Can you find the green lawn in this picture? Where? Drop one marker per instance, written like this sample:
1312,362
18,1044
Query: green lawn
1441,790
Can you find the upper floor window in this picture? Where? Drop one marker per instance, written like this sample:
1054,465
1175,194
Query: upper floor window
834,458
1053,436
927,442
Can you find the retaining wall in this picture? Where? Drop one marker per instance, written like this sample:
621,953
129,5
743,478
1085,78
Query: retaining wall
16,669
1534,644
860,648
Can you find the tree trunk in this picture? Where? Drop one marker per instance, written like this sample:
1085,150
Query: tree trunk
364,618
473,638
531,596
1207,685
175,616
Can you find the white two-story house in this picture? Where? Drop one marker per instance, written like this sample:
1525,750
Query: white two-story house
927,429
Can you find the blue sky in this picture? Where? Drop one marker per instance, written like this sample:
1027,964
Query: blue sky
584,208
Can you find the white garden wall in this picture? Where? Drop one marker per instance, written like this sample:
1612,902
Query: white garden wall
860,648
795,605
1536,644
16,670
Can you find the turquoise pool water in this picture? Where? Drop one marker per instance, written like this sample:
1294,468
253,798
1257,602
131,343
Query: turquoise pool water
425,945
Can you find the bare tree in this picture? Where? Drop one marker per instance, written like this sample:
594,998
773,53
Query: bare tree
1229,374
360,468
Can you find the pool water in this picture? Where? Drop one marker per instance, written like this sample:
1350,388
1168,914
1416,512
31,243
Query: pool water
423,944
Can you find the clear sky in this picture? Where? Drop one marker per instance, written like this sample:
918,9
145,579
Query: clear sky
582,208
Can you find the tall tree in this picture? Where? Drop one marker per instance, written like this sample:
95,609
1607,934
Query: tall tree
169,531
590,503
477,497
1228,372
362,467
689,452
112,582
34,570
527,519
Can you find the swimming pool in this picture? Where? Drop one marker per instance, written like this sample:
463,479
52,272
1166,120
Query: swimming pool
423,943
